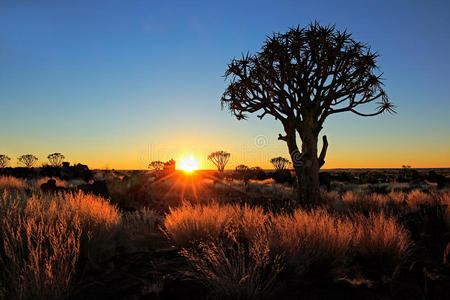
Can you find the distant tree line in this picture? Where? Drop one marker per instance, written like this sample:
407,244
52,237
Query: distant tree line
56,167
29,160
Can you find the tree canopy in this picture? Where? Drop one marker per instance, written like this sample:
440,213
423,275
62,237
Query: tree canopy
27,160
219,159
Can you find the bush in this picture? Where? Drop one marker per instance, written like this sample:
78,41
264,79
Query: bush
283,176
58,182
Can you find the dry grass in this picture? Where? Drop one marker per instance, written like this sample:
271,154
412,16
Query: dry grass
12,183
366,203
391,204
381,242
189,224
42,240
312,243
234,271
418,198
140,229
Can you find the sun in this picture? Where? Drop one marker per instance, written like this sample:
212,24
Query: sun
189,164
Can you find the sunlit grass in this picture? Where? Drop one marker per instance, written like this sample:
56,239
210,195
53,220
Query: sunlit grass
42,240
12,183
310,243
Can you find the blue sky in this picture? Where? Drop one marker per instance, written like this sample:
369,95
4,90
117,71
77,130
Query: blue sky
120,83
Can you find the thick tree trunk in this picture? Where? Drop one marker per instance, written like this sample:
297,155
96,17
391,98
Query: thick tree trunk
291,140
309,178
305,162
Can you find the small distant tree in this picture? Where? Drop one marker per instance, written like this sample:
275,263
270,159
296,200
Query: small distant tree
156,165
56,159
4,160
219,159
27,160
280,163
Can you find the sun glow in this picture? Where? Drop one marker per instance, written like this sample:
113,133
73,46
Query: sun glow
189,164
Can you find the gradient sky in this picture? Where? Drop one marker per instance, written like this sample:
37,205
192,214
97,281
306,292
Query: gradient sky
118,84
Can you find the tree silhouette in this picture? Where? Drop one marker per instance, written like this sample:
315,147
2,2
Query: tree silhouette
219,159
28,160
156,165
56,159
280,163
301,77
4,159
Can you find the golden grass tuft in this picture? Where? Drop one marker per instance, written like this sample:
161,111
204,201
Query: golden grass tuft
12,183
312,241
381,242
190,224
41,240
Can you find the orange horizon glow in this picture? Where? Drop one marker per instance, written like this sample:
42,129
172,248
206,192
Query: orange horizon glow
339,156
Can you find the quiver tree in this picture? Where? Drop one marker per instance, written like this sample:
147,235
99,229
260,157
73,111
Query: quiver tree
56,159
280,163
156,165
300,78
4,160
219,159
27,160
